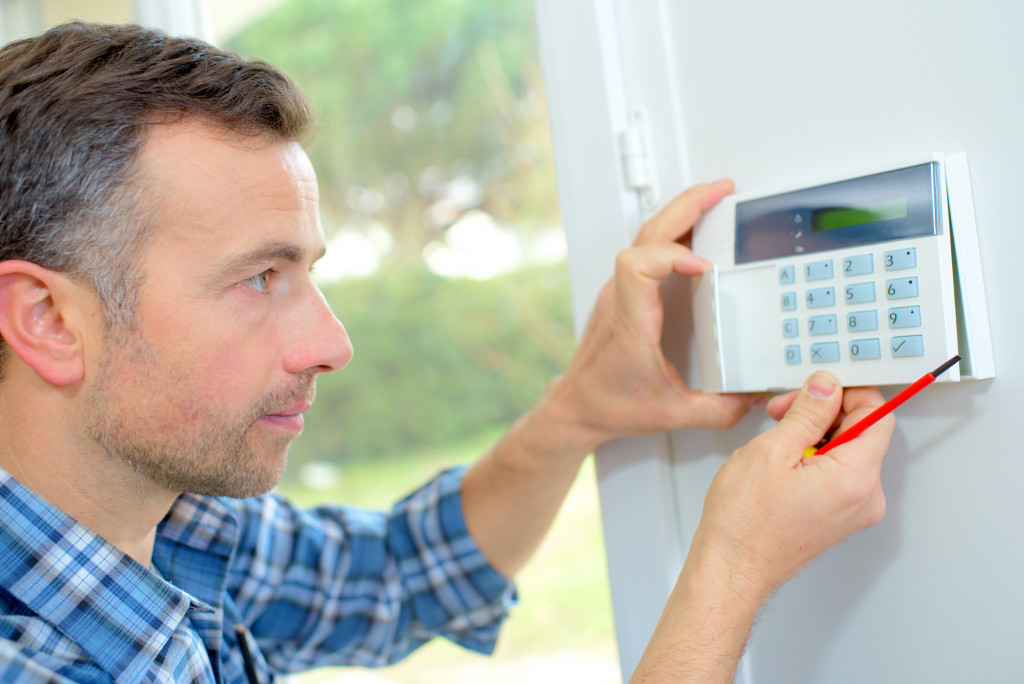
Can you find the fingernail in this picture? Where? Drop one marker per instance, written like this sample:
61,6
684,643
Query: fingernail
821,385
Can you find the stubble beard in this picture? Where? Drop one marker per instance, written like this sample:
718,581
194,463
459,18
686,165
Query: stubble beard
156,425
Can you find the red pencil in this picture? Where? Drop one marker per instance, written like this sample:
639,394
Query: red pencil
887,407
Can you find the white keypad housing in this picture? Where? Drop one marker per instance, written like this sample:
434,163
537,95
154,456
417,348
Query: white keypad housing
880,313
875,327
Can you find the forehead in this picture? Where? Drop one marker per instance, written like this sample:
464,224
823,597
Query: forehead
221,192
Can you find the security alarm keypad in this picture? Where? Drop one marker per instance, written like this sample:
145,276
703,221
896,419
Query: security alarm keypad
850,300
853,276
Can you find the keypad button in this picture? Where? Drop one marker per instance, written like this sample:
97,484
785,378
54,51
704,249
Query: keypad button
824,352
859,293
822,325
899,259
911,345
792,354
818,270
905,317
901,288
862,321
861,350
821,297
861,264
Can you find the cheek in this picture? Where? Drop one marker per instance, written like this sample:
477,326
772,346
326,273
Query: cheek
223,349
226,376
179,399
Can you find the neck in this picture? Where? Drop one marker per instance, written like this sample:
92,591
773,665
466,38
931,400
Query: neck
74,474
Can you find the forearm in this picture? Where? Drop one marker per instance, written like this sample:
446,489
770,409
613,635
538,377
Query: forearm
511,496
617,384
704,628
768,512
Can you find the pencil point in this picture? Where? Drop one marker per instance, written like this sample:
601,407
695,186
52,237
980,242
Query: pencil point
946,366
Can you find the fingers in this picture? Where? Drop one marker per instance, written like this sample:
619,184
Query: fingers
861,400
658,261
811,414
639,270
777,406
717,411
678,216
854,399
873,443
857,403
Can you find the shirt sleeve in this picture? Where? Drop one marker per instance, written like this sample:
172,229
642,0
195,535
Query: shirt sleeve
343,586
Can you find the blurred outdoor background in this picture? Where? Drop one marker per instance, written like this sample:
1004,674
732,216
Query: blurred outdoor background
445,262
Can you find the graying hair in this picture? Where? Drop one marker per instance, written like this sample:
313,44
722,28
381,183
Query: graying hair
75,104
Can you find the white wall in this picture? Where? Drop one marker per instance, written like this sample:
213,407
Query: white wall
18,19
778,92
24,18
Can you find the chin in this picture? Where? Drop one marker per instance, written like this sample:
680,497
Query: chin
240,481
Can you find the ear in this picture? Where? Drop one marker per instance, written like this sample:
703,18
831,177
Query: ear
42,319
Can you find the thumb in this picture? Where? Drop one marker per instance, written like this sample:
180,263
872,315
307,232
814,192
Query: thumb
812,414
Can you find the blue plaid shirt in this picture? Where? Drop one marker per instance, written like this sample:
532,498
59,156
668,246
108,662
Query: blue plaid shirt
331,586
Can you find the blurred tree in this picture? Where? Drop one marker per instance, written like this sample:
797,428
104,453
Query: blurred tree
427,110
437,360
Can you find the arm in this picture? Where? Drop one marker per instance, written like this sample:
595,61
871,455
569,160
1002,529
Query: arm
618,383
767,514
343,586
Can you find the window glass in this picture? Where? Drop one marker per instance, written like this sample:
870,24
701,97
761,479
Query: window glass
446,263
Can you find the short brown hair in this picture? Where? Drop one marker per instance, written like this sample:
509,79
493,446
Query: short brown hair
75,103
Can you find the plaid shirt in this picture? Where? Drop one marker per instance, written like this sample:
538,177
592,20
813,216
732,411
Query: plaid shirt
331,586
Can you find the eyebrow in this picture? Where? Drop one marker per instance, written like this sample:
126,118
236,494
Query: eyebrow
265,253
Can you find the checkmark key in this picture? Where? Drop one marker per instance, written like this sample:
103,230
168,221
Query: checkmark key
908,345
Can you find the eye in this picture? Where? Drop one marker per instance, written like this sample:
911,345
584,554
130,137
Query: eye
259,282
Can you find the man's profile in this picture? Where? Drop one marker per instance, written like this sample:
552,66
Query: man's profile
160,339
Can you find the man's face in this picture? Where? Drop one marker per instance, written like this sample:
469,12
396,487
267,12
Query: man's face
207,391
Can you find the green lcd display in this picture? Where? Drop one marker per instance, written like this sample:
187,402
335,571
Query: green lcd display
831,218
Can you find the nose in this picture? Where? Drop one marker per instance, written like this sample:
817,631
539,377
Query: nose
320,343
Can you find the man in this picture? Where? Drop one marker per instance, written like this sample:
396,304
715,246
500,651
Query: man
161,340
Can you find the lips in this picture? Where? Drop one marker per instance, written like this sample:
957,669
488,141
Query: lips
289,419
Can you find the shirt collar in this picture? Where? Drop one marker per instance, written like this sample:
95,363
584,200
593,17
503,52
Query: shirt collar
117,610
194,544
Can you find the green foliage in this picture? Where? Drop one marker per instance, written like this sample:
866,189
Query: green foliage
414,97
416,100
436,360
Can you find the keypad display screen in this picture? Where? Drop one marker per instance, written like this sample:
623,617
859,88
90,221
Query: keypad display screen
845,217
887,206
